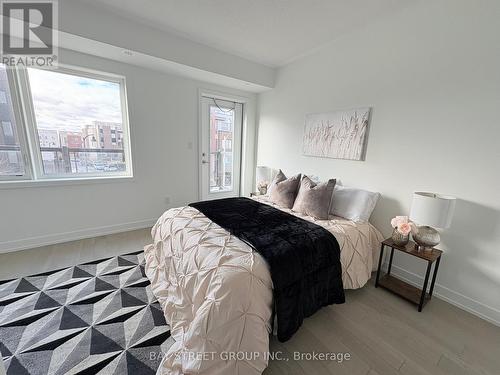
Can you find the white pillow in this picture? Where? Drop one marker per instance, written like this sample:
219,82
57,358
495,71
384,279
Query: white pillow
353,204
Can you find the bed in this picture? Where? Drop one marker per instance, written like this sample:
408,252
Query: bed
217,293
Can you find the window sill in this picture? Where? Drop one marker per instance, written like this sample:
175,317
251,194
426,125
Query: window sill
17,184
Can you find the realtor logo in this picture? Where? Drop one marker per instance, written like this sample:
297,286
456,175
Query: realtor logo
29,32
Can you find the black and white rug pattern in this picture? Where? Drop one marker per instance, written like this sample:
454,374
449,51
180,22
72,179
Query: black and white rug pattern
96,318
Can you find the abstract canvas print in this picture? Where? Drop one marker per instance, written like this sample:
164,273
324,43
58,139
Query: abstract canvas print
339,135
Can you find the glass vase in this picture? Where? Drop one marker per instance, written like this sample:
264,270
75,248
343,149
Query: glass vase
400,239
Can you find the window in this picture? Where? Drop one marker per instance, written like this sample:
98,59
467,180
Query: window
72,121
11,158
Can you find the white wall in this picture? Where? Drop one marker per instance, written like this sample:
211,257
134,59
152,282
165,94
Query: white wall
432,75
163,112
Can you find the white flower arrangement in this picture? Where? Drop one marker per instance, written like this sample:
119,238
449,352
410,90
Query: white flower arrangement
262,186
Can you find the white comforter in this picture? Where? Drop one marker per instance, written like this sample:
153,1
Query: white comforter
216,292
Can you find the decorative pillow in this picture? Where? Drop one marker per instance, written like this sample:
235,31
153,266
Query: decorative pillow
314,199
280,176
283,191
353,204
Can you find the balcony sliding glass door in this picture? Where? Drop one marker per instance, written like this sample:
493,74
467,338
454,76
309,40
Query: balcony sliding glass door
220,148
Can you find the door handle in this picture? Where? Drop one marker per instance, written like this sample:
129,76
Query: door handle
204,162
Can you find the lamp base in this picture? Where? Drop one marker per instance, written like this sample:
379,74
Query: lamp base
426,237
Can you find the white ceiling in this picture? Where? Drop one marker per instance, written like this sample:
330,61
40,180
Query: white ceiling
271,32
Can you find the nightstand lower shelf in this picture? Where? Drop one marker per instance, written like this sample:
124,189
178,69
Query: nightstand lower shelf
403,289
413,294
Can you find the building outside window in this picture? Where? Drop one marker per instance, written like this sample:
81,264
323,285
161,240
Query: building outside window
221,160
11,157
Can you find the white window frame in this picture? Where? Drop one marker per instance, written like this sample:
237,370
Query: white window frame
20,129
30,142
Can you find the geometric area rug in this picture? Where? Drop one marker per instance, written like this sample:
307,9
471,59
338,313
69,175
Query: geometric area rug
95,318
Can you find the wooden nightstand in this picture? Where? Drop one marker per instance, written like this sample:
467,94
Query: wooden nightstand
409,292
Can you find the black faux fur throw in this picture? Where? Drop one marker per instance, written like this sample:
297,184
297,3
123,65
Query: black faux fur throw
303,257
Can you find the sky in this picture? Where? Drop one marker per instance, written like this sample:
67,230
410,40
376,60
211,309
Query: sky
67,102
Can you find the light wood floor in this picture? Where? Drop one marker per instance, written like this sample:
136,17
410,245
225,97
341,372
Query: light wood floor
383,334
386,335
53,257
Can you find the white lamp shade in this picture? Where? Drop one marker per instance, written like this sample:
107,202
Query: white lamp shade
432,209
262,173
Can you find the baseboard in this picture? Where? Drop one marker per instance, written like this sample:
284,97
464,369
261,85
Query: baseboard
52,239
477,308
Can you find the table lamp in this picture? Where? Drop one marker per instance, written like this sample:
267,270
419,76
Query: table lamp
430,210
